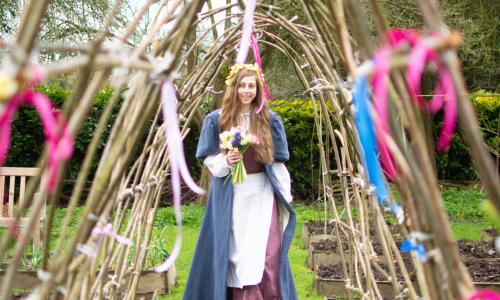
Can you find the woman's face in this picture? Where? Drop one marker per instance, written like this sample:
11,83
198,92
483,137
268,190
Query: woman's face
247,89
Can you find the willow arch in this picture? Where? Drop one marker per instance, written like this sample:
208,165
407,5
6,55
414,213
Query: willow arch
124,184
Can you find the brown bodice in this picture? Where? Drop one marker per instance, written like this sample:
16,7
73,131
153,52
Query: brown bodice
251,164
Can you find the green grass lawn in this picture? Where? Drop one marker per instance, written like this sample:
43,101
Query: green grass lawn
463,207
192,214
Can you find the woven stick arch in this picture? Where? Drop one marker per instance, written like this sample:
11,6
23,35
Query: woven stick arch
127,193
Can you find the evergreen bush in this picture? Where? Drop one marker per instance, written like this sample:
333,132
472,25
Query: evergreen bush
27,140
298,118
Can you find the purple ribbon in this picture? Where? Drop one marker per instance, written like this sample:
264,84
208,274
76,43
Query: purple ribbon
246,31
178,165
107,230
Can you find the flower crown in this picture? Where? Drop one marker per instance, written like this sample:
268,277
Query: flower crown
237,67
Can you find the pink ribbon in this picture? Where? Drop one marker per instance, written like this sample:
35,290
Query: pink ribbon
484,295
58,139
101,233
178,165
444,94
421,55
380,80
107,230
258,61
396,37
246,31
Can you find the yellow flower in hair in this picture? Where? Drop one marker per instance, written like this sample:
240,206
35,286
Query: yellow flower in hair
237,67
8,86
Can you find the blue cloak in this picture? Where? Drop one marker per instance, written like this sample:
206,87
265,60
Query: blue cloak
208,275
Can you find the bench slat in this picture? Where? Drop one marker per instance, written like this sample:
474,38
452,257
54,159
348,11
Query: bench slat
21,190
6,218
12,185
6,222
2,187
11,171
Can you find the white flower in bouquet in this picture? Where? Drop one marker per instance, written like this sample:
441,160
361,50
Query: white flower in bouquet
238,138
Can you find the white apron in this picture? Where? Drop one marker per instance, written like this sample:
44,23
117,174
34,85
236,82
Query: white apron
251,220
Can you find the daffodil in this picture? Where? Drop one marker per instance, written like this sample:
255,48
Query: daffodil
8,86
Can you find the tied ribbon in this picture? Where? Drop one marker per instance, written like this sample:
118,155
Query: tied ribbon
444,86
246,31
178,166
444,95
101,233
364,126
258,61
411,246
58,139
484,295
107,231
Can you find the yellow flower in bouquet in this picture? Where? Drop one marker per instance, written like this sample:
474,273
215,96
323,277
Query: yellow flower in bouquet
240,139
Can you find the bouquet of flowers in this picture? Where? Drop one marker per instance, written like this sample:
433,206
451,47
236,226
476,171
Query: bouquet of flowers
238,138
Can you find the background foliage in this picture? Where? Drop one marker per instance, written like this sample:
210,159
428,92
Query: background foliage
74,22
455,163
298,119
27,140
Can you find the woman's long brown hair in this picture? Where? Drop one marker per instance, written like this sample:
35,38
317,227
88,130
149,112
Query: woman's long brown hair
259,122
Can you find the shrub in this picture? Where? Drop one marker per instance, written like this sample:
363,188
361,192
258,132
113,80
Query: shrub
455,163
27,139
298,118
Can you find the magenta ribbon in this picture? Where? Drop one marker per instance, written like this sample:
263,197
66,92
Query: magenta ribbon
58,139
178,165
484,295
380,81
258,61
246,31
444,94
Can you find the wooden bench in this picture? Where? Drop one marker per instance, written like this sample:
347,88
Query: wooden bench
13,186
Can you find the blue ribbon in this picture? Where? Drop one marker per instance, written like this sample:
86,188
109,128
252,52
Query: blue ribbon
364,126
414,247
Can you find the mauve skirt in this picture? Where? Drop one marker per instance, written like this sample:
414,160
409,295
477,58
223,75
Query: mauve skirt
268,288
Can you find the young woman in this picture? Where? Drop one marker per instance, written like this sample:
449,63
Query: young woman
242,251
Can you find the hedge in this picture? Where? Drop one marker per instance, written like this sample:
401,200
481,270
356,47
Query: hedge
455,164
27,139
298,119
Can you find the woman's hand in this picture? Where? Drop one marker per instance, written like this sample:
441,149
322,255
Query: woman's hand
233,157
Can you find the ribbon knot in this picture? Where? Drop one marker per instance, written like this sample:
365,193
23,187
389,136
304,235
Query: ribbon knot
58,138
412,246
107,230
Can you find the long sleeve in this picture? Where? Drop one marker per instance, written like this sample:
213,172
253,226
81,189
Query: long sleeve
217,164
281,153
208,143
